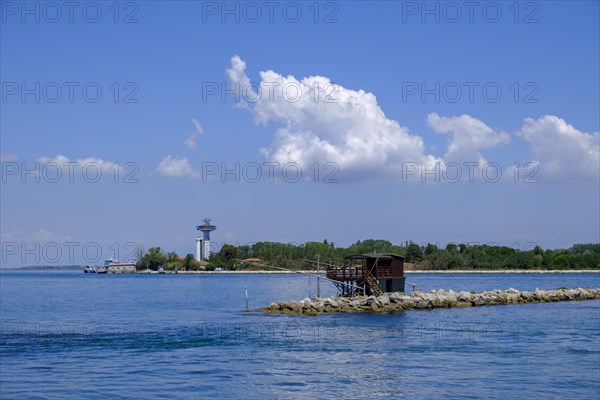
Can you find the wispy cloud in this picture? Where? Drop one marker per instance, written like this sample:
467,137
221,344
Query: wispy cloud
7,157
192,139
105,166
42,235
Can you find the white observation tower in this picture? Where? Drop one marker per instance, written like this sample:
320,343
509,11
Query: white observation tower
203,243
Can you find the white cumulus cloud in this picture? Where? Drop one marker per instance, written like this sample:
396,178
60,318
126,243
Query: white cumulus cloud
562,151
322,122
469,136
176,168
192,139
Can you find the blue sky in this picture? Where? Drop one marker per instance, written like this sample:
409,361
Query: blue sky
411,86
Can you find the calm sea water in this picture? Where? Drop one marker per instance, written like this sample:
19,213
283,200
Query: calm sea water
73,335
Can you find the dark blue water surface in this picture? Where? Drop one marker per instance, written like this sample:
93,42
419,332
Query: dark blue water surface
74,335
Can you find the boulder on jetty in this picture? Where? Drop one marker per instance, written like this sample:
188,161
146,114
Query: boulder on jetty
428,300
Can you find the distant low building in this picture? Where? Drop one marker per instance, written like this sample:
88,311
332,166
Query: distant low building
115,267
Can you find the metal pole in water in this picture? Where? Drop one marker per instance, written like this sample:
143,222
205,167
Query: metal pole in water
246,298
318,277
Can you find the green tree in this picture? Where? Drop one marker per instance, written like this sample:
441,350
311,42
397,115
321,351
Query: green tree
228,252
414,252
430,249
438,260
562,261
153,259
225,257
244,251
281,261
370,246
451,248
187,261
173,261
456,260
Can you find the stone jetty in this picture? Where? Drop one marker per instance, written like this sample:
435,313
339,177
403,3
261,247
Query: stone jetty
428,300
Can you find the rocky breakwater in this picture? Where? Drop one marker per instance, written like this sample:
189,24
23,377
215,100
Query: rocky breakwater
428,300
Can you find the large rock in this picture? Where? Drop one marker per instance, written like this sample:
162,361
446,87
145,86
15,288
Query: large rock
395,297
295,306
372,300
512,298
355,303
384,299
308,303
464,296
451,296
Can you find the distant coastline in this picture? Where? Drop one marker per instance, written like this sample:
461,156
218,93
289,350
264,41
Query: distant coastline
508,271
464,271
46,268
487,271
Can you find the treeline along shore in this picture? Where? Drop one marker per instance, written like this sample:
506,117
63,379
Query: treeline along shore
459,258
421,257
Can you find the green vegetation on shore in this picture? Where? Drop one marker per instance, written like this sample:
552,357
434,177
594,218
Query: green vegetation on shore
427,257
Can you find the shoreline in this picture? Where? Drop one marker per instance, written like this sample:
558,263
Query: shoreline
271,272
507,271
417,272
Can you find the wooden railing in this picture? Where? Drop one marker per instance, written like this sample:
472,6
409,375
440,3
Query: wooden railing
348,273
345,273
